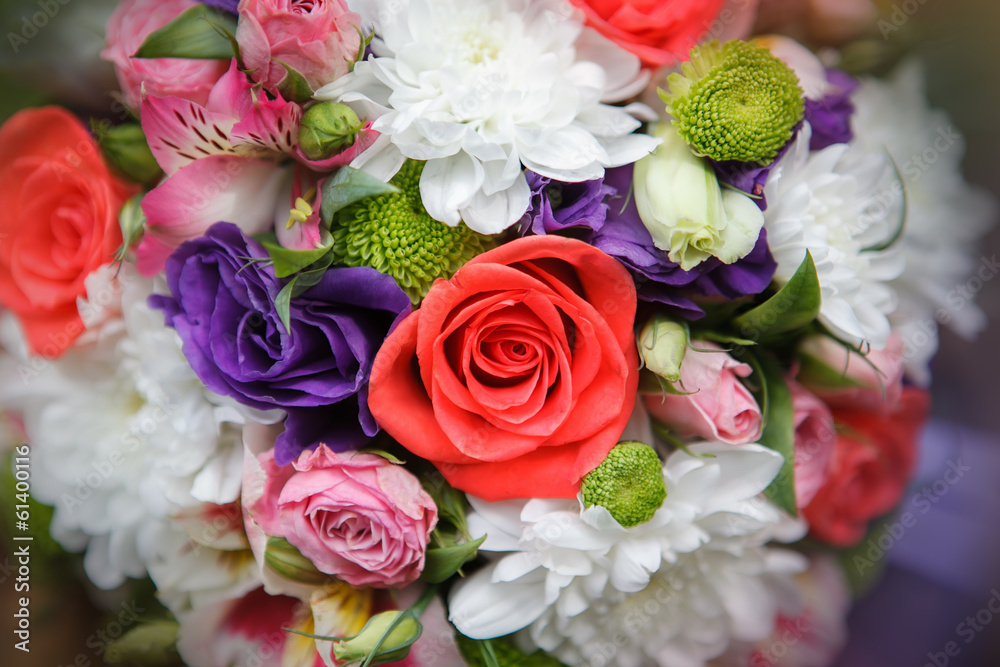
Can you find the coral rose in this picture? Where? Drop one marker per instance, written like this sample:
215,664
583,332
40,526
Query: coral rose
319,39
871,466
657,31
518,375
129,25
60,223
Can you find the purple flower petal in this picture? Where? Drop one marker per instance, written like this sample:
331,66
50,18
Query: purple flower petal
222,306
661,281
830,117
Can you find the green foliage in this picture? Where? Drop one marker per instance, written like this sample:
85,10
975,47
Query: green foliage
200,32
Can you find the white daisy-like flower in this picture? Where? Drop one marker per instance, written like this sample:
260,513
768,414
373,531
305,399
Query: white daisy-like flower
478,89
124,437
945,215
827,203
673,591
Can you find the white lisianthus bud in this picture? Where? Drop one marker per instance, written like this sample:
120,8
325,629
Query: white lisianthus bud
686,211
662,343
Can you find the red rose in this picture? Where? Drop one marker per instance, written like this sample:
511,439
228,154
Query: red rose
60,222
518,375
871,466
657,31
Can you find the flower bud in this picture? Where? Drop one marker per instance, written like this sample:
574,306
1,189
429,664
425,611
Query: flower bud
125,149
287,561
686,211
151,644
328,128
395,647
662,344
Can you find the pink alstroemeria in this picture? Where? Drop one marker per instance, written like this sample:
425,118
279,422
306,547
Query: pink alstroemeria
231,160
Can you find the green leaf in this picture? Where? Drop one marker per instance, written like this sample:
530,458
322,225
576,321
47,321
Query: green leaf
132,221
153,644
285,559
347,187
450,501
500,652
814,372
443,562
199,32
775,399
294,87
794,306
391,458
283,304
723,338
287,261
124,147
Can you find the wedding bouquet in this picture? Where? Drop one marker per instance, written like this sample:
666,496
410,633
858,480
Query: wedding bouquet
487,332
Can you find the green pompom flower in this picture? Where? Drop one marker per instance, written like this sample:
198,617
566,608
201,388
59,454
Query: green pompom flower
628,483
735,102
394,234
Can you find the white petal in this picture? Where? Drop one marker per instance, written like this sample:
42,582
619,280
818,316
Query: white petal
481,609
449,184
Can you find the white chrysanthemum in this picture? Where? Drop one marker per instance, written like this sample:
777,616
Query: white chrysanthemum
945,215
123,436
478,89
827,202
673,591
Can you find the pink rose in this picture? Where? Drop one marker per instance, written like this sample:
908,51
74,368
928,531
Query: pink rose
718,407
353,515
129,25
317,38
815,440
877,377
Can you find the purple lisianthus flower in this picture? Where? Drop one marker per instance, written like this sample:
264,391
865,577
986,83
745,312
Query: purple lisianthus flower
225,5
222,305
750,177
555,206
830,117
659,280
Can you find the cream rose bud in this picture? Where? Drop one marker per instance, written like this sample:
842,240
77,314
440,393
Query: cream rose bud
716,406
354,515
685,210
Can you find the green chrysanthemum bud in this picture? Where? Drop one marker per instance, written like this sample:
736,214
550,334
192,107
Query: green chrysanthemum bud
628,483
395,235
328,128
735,102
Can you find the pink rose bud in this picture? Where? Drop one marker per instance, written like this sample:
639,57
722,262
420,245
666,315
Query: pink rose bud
129,25
319,39
717,406
845,379
353,515
815,440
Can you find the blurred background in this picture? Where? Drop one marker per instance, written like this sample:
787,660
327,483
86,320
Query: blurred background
932,605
